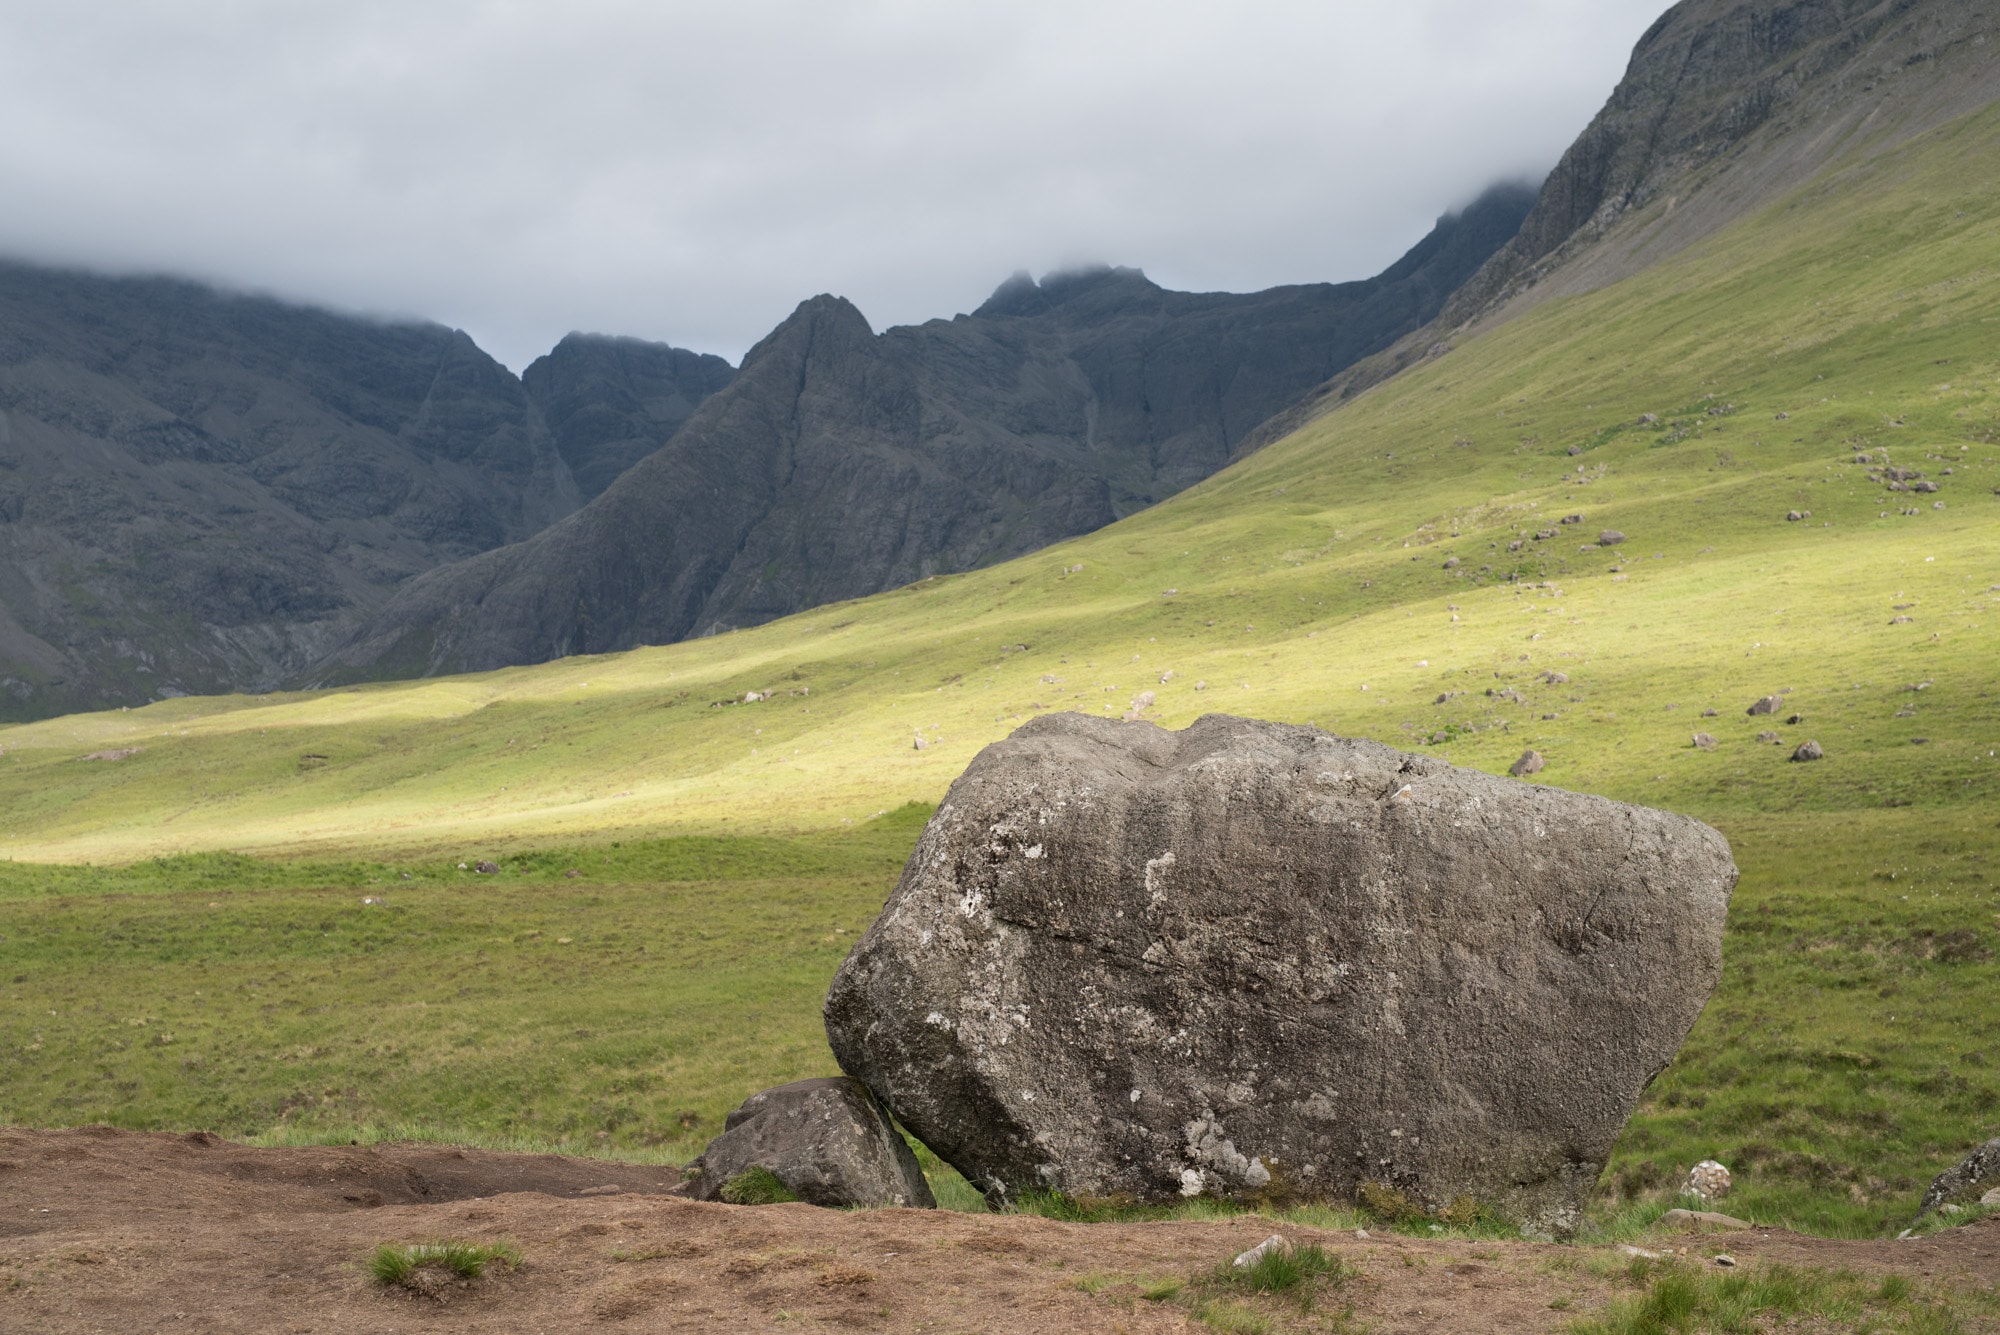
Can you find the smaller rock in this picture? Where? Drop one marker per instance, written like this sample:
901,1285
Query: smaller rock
1971,1173
1768,705
1793,516
1276,1244
918,744
1991,1199
1795,720
1554,678
1708,713
1770,737
1901,621
1704,742
1611,537
1649,419
1649,1254
1531,762
1451,563
1699,1219
1924,486
1201,686
1572,519
1575,450
1143,700
1808,751
1725,1260
827,1140
1707,1180
485,868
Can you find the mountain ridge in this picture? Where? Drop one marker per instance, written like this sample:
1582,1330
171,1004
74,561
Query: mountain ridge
1056,407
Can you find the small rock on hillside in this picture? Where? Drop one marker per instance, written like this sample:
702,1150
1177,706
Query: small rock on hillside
1978,1169
827,1140
1251,960
1808,751
1531,762
1768,705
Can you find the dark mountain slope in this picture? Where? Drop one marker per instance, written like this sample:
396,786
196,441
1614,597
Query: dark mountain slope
203,492
1725,106
840,462
610,402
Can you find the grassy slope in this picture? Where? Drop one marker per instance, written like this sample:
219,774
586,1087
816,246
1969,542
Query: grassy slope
1849,1049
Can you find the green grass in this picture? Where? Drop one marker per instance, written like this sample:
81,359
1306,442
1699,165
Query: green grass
757,1186
216,965
1679,1297
395,1263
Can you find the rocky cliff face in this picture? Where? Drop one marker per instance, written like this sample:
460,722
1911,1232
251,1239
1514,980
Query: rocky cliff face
840,462
610,402
201,492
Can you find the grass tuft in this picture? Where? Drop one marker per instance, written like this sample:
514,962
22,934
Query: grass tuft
399,1263
757,1186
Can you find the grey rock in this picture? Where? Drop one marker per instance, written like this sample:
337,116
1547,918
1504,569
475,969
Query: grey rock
1610,537
1808,750
1254,960
485,868
1924,486
1768,736
1701,1219
1793,516
1531,762
1976,1170
1770,704
1704,741
827,1140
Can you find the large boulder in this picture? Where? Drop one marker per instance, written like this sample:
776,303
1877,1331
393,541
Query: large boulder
1251,959
827,1140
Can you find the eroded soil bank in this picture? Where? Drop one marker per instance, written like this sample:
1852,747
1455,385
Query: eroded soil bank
104,1230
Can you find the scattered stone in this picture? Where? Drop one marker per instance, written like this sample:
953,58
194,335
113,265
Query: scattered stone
1143,700
1166,676
486,868
1108,971
918,743
1611,537
827,1140
1991,1199
1575,450
1515,545
1700,1219
1555,678
1704,742
1451,563
1276,1244
123,753
571,874
1924,486
1793,516
1707,1180
1901,620
1725,1260
1768,705
1794,720
1572,519
1531,762
1809,750
1545,534
1201,686
1708,713
1649,419
1770,737
1629,1250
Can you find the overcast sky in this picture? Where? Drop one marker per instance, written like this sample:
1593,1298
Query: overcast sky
690,172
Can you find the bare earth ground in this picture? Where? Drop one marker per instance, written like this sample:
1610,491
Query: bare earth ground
105,1230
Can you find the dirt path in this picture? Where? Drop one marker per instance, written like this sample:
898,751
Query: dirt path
105,1230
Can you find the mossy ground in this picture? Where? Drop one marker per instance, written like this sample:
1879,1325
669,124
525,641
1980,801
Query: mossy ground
1851,1052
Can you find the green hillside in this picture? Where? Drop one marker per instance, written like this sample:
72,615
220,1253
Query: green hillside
1852,1049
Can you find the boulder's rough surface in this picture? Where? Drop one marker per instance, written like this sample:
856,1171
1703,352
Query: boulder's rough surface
1978,1169
1251,958
827,1140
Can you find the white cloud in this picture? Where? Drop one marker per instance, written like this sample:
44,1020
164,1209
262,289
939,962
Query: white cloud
690,171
